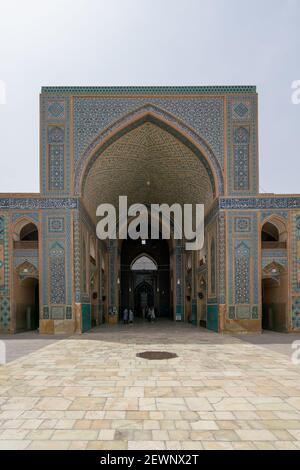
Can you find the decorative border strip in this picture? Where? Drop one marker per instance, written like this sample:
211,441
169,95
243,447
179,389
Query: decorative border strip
158,90
256,203
260,203
39,203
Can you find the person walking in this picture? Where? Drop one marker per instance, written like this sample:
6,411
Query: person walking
131,316
152,315
125,316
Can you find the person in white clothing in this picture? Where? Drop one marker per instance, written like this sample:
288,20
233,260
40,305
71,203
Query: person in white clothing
125,316
131,316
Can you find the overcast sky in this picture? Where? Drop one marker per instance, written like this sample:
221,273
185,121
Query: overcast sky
150,42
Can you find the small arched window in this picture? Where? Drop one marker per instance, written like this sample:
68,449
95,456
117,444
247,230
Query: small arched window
274,234
269,233
144,263
29,232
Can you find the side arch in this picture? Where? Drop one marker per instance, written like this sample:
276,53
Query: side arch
163,119
21,223
280,223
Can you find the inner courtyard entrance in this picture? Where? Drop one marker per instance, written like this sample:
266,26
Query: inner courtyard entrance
145,277
274,275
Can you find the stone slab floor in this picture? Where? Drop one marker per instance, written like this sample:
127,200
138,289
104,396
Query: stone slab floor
92,392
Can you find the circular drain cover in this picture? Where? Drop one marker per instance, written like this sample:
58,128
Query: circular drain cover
156,355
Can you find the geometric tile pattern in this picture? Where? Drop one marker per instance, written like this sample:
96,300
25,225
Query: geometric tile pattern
257,203
56,109
231,312
179,280
241,167
112,255
243,312
142,90
296,312
69,313
56,167
92,115
153,151
56,135
241,159
32,215
46,315
242,278
55,141
242,272
56,225
242,162
57,273
20,258
222,258
161,119
25,203
241,110
255,312
4,274
2,266
212,266
4,312
296,253
242,224
266,214
2,228
57,313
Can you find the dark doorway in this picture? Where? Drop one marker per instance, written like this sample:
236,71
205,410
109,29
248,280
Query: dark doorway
145,277
274,303
27,312
143,298
29,233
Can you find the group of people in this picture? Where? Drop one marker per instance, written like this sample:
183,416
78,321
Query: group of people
128,316
148,314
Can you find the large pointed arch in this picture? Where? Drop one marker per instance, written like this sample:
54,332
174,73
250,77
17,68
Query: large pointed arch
162,119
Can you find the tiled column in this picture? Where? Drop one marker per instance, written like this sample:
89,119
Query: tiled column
113,274
179,312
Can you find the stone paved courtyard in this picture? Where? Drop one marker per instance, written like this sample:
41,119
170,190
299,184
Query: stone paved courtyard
92,392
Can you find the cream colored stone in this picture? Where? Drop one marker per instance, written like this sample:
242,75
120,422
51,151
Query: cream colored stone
106,434
203,425
53,403
75,435
255,435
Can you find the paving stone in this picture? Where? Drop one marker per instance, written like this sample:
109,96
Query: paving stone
92,392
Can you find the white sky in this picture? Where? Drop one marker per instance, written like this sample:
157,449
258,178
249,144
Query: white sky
150,42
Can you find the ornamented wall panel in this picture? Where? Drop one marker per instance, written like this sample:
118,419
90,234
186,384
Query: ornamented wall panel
57,262
83,229
222,257
295,269
211,240
55,139
203,114
112,271
242,158
5,314
179,296
243,270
